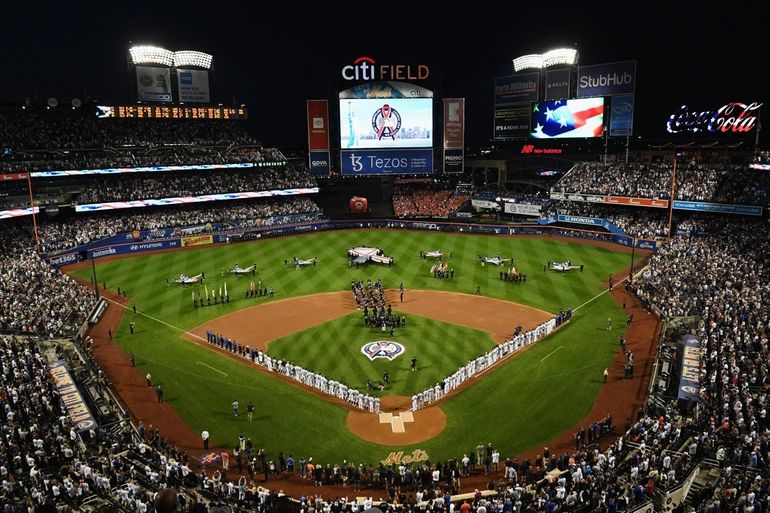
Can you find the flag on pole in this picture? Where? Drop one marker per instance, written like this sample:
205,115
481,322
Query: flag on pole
206,288
225,289
220,292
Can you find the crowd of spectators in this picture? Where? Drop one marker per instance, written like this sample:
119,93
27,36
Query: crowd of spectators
60,235
717,270
34,297
35,140
142,186
165,185
418,201
644,223
695,181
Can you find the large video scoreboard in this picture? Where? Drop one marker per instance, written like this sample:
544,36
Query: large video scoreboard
386,128
169,112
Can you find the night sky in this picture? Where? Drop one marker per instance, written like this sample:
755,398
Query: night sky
273,59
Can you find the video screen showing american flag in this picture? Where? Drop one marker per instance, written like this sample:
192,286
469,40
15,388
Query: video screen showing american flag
583,117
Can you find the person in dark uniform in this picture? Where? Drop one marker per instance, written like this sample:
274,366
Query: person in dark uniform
109,333
250,411
414,363
131,327
386,376
133,363
159,392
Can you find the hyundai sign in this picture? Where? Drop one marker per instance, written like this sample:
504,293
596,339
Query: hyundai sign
607,79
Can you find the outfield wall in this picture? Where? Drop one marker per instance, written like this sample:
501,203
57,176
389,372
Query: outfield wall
116,245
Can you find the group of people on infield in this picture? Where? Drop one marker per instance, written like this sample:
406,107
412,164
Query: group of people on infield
308,378
369,294
480,364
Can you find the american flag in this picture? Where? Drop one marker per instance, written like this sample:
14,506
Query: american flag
583,117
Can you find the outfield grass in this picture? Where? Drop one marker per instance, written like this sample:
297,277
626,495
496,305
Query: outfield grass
334,350
520,405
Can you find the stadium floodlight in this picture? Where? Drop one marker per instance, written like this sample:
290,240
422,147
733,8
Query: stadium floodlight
560,56
531,61
151,55
186,58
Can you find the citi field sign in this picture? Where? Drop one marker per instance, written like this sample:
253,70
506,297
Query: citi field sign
366,69
731,118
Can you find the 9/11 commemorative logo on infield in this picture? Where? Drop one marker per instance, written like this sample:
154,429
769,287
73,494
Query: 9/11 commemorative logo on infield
382,349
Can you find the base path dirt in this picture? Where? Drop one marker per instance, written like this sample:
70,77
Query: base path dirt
495,316
257,325
423,424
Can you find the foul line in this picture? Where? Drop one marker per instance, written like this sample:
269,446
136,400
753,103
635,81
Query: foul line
549,354
599,295
157,320
212,368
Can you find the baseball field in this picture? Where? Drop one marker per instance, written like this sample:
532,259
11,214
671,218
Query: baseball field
311,321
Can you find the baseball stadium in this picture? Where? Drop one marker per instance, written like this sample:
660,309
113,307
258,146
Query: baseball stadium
394,312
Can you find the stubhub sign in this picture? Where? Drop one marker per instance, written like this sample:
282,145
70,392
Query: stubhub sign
607,79
386,162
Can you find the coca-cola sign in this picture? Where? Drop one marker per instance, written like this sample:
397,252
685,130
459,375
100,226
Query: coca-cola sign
732,118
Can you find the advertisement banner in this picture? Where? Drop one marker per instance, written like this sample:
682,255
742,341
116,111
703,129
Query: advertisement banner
689,384
454,123
725,208
200,240
123,249
560,119
734,118
519,88
607,79
76,407
593,221
319,162
557,82
454,161
511,122
6,177
116,205
147,169
18,212
522,209
193,86
622,116
386,162
478,203
639,202
153,84
318,125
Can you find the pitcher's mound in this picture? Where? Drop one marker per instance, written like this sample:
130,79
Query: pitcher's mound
396,425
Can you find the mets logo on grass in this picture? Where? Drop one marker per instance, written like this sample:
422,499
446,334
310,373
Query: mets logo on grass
382,349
